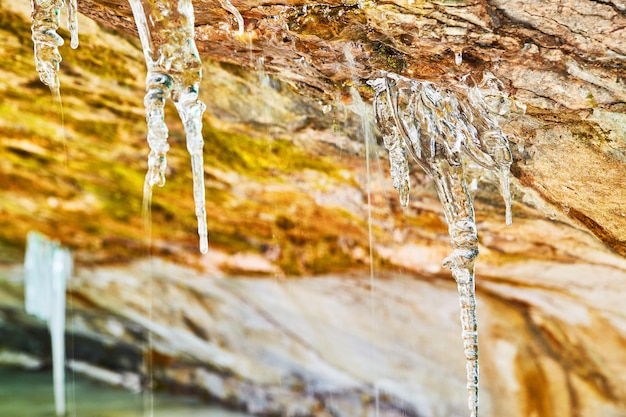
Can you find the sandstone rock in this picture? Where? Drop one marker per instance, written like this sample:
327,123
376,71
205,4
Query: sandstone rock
286,189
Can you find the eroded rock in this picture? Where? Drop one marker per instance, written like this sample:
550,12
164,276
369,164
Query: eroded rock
286,195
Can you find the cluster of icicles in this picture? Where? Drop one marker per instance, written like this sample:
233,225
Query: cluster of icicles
166,31
443,131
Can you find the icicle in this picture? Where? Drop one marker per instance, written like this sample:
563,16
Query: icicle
46,40
47,267
174,71
398,161
72,22
492,101
458,58
228,6
417,115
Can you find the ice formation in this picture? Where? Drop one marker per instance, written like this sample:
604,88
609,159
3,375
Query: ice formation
166,31
72,22
228,6
458,58
47,267
46,40
443,130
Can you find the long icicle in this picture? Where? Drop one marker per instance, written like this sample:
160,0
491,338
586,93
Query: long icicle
174,71
439,129
459,213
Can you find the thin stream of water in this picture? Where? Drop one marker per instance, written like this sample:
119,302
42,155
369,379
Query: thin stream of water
146,213
368,138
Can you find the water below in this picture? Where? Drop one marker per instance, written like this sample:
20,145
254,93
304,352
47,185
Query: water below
29,394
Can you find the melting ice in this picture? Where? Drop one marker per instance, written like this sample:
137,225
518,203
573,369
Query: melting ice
441,129
46,40
47,267
227,5
166,31
458,58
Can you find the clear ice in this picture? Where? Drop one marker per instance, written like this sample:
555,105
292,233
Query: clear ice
46,40
166,31
72,22
458,58
47,267
442,130
228,6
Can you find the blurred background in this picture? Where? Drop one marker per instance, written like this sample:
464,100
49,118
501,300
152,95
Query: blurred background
293,312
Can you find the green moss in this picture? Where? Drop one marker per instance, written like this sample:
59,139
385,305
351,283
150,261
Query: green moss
226,240
260,158
592,100
123,202
15,24
12,249
92,201
590,133
106,131
366,89
24,113
386,55
103,62
329,22
327,257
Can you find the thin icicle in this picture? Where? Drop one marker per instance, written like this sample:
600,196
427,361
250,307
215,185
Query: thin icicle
190,110
398,160
228,6
166,31
458,58
72,22
439,128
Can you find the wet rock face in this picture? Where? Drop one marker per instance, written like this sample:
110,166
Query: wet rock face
286,195
306,42
564,60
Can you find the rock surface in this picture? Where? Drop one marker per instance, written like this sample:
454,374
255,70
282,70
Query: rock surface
286,196
551,341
